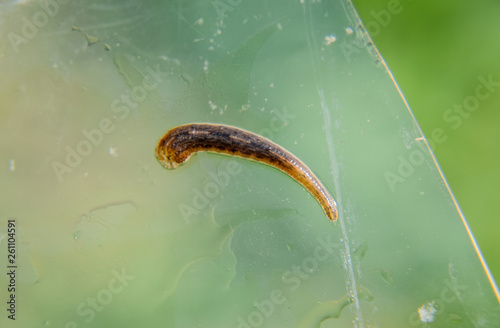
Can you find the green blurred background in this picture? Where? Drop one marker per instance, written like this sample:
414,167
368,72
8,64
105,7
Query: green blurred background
437,50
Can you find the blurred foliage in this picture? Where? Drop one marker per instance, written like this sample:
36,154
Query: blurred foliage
437,51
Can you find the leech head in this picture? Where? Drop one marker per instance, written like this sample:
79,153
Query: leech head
171,151
164,159
164,156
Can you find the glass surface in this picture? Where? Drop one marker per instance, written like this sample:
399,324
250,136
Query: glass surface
106,237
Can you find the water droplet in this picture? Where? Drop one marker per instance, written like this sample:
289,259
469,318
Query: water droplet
76,235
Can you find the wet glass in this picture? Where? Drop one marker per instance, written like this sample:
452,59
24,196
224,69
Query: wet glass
104,236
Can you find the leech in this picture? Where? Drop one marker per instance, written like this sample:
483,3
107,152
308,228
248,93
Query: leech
179,143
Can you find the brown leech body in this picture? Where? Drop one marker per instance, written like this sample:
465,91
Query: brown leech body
179,143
